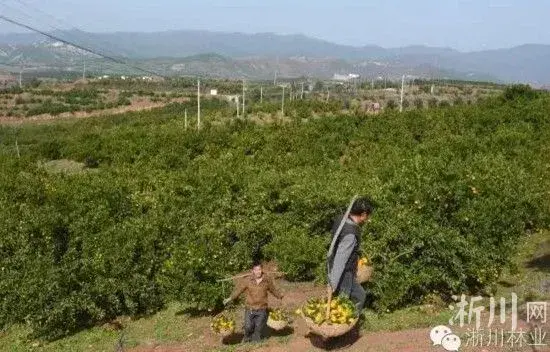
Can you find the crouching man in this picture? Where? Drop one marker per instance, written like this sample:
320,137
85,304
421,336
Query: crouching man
256,287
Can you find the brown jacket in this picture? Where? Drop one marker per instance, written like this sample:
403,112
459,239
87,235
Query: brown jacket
256,294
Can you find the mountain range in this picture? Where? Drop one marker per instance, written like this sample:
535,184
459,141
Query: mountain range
261,56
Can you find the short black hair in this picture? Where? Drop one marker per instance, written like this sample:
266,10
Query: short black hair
256,263
362,205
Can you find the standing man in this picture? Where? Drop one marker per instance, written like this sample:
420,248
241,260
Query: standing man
344,252
256,287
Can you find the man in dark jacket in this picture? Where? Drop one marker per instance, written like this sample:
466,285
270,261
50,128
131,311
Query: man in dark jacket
344,252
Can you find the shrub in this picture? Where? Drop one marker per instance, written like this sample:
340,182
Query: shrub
123,101
425,89
519,91
50,149
170,212
34,83
391,104
48,107
458,101
91,163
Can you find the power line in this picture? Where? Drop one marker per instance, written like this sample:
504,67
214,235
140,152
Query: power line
27,17
9,64
51,36
25,4
64,24
87,40
17,11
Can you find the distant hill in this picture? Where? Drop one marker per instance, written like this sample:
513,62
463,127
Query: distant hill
260,55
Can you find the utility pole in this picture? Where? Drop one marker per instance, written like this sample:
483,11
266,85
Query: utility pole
238,105
402,90
243,98
198,104
185,119
84,70
302,94
328,94
276,71
261,94
283,103
21,67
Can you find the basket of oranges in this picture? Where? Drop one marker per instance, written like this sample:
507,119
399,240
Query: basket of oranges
364,270
222,325
277,319
337,320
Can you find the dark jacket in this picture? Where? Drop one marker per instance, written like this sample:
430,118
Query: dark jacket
345,252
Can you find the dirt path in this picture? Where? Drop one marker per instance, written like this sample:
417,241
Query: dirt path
140,104
296,338
415,340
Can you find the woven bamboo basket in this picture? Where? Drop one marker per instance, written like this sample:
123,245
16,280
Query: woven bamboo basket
329,330
364,273
277,324
225,333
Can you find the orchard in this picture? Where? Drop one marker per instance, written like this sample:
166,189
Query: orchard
161,213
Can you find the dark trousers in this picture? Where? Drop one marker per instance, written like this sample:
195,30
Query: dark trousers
255,321
350,287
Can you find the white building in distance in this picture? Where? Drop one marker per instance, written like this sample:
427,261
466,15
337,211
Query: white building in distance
345,78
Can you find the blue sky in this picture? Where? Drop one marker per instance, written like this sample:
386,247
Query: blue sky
463,25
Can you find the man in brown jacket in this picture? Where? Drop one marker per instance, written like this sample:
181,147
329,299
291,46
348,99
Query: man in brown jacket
256,287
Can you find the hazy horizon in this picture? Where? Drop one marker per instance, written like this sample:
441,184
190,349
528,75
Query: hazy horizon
460,25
